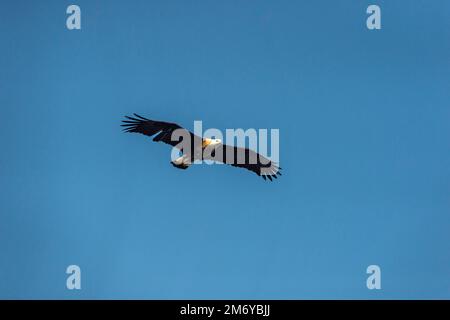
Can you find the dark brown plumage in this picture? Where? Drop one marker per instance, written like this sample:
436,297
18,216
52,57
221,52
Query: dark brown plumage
231,155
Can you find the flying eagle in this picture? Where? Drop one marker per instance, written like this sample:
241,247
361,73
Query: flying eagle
201,148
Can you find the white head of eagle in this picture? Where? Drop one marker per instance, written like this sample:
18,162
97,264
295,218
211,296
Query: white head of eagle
193,147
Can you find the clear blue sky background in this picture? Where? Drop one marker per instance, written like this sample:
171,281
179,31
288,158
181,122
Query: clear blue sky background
364,128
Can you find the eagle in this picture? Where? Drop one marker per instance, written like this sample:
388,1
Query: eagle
199,148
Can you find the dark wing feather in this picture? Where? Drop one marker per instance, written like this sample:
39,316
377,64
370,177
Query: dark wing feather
247,159
162,131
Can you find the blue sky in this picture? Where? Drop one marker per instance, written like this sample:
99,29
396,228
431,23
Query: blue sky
364,144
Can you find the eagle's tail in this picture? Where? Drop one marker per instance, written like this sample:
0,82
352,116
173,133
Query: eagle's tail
179,166
182,162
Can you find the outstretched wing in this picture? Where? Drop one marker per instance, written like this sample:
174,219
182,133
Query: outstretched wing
162,131
247,159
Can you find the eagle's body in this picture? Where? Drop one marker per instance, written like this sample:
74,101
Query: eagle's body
201,148
186,159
